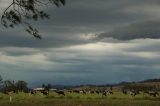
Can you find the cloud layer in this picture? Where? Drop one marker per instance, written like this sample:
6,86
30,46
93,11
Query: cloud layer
86,42
147,29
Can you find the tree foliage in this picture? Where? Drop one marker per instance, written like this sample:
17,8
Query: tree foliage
8,86
11,86
1,82
23,11
140,87
47,87
21,86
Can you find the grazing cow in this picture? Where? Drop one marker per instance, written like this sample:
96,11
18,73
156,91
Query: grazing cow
76,91
157,93
60,93
104,93
110,92
153,94
45,93
124,92
145,92
32,92
98,92
82,91
70,91
92,92
133,93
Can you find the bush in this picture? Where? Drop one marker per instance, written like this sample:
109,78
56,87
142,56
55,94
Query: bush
77,97
69,97
50,97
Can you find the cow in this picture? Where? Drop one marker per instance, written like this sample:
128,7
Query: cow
70,91
32,92
124,92
133,93
153,94
82,91
98,92
110,92
76,91
60,92
45,93
92,92
104,93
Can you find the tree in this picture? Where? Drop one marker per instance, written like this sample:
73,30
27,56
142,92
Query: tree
1,82
21,86
43,85
47,87
8,86
21,11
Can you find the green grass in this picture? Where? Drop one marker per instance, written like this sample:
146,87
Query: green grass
118,99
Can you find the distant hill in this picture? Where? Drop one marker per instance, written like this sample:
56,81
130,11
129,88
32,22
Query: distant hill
150,80
60,87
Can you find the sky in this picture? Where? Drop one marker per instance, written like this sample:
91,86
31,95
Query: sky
85,42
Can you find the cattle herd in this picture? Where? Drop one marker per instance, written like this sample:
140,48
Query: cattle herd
64,92
133,93
152,93
103,92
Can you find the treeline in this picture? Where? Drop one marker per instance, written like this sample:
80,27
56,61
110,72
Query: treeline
8,86
141,87
152,80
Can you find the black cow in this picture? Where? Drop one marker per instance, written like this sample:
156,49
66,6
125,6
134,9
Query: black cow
124,92
154,94
104,93
98,92
110,92
133,93
60,93
76,91
45,93
32,92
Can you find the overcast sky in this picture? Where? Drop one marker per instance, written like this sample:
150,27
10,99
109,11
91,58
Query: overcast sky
86,42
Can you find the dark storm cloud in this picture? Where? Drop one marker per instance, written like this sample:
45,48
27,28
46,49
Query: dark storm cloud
76,18
149,29
127,58
13,51
49,39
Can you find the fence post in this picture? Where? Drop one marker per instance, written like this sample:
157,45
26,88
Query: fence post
10,98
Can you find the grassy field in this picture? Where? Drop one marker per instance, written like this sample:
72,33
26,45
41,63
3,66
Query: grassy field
118,99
